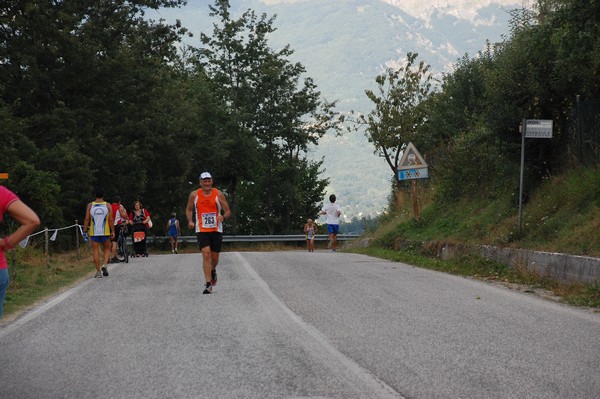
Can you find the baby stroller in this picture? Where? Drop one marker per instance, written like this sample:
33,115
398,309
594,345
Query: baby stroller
139,239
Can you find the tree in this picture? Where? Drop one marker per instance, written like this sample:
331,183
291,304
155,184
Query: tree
398,113
87,85
39,190
549,61
95,94
271,118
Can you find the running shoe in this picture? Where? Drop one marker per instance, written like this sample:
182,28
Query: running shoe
104,271
208,289
213,277
98,275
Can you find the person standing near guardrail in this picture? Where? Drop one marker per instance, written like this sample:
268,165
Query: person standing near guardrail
206,210
29,221
140,222
333,212
310,230
99,219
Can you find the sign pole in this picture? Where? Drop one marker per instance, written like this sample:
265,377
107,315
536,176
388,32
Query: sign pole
412,166
523,133
534,129
415,201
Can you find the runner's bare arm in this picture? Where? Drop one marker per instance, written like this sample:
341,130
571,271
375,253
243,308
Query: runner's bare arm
189,210
225,206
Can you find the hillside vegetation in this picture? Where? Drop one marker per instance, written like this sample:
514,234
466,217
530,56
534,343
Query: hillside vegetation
562,215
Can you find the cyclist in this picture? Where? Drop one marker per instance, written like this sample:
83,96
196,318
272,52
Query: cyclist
120,216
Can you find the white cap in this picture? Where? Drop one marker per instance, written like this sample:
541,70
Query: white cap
205,175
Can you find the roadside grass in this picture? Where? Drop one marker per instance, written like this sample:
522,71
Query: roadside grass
585,296
33,278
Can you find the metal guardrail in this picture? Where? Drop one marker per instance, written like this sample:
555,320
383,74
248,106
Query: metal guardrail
262,238
280,238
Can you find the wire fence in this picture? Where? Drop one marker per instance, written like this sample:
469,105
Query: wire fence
584,132
74,239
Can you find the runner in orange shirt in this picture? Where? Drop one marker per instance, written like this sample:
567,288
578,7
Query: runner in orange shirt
206,209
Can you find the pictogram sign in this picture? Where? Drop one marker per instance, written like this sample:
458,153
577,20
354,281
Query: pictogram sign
411,159
412,165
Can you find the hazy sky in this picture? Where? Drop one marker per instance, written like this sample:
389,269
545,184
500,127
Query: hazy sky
422,8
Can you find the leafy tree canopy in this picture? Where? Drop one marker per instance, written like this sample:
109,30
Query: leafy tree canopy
93,94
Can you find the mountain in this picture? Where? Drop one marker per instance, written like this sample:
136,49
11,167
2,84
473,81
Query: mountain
345,44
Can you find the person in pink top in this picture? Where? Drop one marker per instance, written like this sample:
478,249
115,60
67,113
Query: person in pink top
29,220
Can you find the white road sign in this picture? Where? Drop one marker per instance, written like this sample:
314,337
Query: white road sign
538,128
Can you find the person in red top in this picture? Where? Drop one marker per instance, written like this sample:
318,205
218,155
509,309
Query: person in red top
206,209
29,220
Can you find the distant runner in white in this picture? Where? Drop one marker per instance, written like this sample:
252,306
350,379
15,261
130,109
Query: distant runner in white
333,212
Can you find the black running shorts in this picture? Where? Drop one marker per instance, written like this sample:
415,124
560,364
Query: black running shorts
214,240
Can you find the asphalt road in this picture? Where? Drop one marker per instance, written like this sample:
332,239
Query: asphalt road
296,325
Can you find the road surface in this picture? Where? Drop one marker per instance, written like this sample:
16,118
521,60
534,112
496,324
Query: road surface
295,324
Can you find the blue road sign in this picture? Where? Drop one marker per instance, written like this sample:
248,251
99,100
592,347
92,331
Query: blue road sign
409,174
